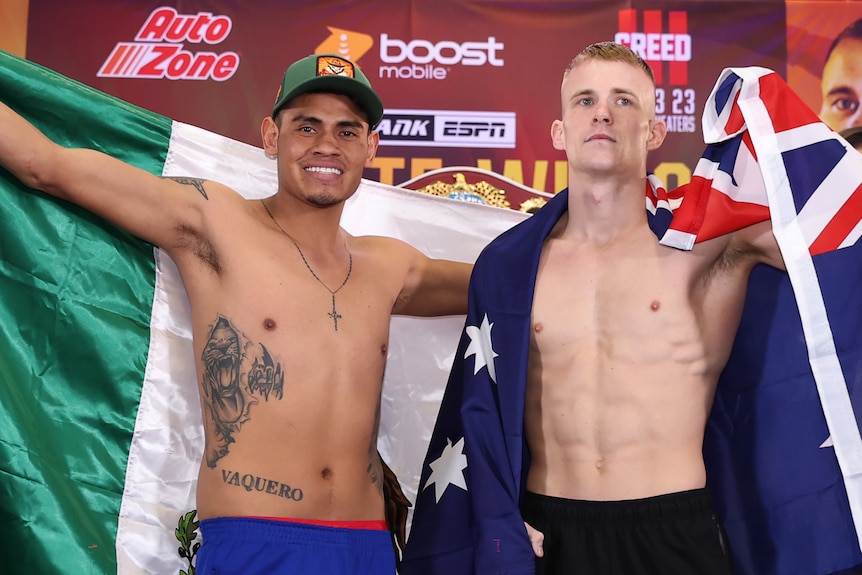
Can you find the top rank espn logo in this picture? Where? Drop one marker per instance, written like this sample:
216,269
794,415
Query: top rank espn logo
447,128
656,46
158,50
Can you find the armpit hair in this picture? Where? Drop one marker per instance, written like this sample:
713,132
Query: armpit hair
401,300
731,257
189,238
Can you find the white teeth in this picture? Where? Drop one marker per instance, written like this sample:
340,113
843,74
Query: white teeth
335,171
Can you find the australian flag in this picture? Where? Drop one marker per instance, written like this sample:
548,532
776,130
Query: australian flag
783,447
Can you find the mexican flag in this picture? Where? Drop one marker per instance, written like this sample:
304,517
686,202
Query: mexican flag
100,426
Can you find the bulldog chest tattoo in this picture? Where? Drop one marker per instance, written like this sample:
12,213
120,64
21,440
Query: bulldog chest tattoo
236,374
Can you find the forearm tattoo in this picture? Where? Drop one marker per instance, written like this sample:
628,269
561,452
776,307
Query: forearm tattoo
196,182
251,482
229,388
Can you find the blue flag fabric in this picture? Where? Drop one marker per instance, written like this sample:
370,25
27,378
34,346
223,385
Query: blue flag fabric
467,518
783,449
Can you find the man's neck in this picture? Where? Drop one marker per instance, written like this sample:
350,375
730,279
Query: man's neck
601,210
316,229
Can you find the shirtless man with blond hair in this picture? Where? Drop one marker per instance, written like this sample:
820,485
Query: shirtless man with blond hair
290,319
628,340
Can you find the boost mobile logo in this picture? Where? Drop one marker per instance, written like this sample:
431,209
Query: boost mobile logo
158,50
415,59
419,57
347,44
656,46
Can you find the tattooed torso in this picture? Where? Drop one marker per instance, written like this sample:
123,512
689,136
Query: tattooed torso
290,405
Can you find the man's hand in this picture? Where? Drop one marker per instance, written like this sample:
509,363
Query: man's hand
537,539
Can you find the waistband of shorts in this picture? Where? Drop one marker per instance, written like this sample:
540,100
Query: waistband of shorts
372,524
666,506
278,531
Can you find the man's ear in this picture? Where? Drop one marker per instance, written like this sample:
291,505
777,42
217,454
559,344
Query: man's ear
658,132
557,138
269,136
373,142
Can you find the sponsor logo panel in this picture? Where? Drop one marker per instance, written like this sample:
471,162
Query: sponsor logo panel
420,59
159,49
416,58
448,128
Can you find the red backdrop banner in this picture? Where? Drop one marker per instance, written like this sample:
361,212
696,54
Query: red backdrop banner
468,82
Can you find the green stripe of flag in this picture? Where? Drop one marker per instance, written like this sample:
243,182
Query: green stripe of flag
75,300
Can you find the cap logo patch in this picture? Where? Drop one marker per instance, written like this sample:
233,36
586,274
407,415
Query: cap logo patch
332,66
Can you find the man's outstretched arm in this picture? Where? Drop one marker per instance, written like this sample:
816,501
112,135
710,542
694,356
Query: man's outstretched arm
145,205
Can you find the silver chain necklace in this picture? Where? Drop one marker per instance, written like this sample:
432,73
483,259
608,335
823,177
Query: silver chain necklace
334,313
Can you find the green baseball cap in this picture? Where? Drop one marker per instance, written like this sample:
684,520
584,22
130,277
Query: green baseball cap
329,73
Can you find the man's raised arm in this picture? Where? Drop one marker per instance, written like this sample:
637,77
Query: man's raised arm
145,205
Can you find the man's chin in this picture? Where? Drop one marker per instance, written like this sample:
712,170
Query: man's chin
600,167
323,200
329,196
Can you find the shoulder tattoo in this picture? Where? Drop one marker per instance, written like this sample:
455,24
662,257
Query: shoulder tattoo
198,184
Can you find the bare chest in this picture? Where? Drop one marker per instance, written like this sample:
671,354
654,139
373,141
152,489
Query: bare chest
274,303
630,307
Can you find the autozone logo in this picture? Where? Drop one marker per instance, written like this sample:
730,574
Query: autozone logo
159,51
447,128
657,45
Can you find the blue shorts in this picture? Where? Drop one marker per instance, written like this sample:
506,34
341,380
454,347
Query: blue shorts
247,546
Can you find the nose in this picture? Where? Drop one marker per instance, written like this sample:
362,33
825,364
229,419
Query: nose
602,113
326,143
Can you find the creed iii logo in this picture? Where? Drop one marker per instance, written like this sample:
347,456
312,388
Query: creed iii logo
657,46
668,54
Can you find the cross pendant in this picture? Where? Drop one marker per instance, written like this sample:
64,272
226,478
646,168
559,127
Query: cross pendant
334,314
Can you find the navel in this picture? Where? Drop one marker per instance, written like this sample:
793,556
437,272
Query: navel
600,464
655,305
326,473
538,327
383,349
269,324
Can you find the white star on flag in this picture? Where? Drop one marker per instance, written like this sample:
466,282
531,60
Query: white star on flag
827,443
448,469
480,345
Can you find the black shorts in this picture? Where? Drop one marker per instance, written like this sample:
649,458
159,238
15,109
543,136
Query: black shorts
673,534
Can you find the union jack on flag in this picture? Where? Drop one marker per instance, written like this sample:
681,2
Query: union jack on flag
810,171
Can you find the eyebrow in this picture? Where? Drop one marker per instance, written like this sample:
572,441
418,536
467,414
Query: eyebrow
842,91
300,118
614,91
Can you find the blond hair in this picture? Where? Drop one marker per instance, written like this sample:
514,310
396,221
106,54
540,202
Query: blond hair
610,52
